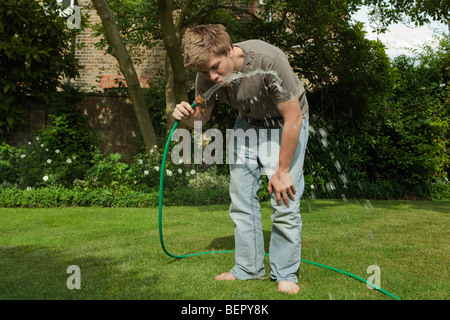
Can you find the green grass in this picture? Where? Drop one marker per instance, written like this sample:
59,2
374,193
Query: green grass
120,257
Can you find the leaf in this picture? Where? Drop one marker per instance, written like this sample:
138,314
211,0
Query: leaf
10,120
36,57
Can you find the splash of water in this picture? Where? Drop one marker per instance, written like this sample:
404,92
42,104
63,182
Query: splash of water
239,75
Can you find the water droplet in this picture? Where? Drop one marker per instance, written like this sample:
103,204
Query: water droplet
368,206
330,186
343,178
337,164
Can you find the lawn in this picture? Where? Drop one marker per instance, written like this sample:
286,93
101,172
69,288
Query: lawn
119,254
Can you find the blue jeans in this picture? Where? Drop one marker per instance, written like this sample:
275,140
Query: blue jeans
251,160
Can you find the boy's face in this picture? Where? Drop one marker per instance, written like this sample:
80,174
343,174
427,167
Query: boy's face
220,67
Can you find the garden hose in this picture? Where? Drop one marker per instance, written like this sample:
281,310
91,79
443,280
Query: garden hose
199,100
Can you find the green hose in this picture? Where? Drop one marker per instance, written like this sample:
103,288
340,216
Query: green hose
161,180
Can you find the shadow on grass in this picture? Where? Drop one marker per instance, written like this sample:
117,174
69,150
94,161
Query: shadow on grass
227,243
37,273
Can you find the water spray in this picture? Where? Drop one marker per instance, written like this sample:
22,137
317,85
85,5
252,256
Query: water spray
198,102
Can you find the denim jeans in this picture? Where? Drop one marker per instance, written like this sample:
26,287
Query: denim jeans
250,162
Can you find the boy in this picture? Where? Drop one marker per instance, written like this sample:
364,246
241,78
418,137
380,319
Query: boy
272,99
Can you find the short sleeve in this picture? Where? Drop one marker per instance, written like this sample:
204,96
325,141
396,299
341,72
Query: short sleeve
281,81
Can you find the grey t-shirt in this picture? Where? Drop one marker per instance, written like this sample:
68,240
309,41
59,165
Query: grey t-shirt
267,79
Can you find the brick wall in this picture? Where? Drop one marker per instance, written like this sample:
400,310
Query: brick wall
111,116
34,115
114,120
99,66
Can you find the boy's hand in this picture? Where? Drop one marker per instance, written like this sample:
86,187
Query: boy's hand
283,186
183,111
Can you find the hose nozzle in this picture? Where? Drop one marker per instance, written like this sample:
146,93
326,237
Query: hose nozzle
198,101
201,98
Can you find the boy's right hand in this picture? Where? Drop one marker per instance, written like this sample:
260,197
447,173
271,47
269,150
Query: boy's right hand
183,111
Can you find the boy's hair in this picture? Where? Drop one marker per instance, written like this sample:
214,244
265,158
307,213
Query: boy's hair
202,41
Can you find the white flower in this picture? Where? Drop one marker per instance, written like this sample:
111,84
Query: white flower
192,171
180,161
156,168
69,160
140,161
49,161
28,188
23,155
146,172
29,142
45,178
46,149
312,186
74,157
57,151
180,171
42,145
187,174
169,173
37,138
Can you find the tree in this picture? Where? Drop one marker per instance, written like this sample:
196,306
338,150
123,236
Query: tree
141,25
417,11
119,51
34,53
326,48
175,71
409,133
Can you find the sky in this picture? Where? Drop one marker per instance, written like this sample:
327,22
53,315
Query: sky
400,38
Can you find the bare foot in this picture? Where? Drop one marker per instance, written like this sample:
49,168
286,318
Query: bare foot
288,287
225,276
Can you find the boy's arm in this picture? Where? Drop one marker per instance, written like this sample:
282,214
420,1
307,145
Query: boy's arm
187,115
281,181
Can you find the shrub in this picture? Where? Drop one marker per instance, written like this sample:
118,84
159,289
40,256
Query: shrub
34,51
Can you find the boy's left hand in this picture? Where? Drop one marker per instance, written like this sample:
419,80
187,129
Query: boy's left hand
281,183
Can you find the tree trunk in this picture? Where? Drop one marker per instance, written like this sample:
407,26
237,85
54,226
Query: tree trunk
119,51
175,70
171,101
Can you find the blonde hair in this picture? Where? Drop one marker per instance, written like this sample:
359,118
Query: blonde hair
202,41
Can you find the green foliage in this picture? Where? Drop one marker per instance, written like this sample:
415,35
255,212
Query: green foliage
377,130
399,149
61,152
34,52
155,98
409,134
6,171
419,12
